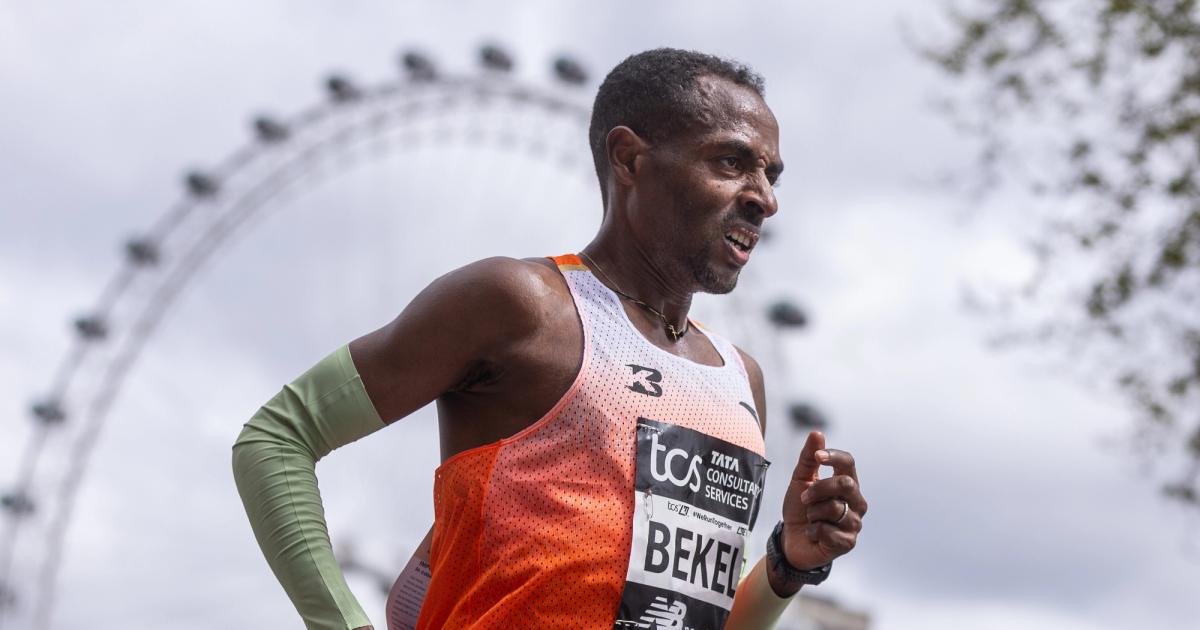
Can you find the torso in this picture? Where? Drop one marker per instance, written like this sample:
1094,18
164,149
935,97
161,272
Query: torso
535,517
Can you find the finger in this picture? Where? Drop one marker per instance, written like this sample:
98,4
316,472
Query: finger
836,512
836,487
807,466
836,541
841,461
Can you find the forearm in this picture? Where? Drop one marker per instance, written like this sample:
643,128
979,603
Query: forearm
274,462
756,606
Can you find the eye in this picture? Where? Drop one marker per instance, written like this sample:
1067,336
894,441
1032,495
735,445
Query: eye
730,161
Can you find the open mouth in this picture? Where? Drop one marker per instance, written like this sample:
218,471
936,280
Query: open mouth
742,239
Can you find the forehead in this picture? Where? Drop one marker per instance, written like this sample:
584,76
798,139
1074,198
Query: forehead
729,111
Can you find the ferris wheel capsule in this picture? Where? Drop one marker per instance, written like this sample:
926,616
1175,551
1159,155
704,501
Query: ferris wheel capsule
142,252
200,184
270,130
569,71
806,417
342,89
495,58
48,411
17,503
418,66
787,314
91,327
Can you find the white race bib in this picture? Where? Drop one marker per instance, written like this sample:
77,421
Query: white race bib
695,497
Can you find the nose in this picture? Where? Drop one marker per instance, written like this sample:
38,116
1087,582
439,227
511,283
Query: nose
759,196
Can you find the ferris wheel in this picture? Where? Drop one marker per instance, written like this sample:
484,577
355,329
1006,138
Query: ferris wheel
352,125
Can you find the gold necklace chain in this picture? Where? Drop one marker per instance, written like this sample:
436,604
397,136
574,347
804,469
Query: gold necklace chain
675,334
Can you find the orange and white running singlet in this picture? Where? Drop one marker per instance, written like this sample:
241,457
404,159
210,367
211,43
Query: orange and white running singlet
624,506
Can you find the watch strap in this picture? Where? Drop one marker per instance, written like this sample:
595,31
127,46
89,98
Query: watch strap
791,576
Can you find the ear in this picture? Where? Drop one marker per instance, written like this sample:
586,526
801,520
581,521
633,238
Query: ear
624,146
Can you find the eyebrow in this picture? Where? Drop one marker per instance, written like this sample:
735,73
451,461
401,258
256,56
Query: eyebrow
744,151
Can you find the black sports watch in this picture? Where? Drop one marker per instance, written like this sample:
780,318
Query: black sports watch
782,568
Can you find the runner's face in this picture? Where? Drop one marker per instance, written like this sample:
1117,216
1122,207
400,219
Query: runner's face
711,187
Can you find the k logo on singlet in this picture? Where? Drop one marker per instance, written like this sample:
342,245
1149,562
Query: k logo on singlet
647,382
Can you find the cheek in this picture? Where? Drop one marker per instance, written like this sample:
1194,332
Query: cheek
708,201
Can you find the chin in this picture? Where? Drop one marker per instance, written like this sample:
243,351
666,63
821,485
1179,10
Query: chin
712,282
711,277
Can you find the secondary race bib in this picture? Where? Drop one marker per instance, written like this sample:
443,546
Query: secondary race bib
408,592
695,497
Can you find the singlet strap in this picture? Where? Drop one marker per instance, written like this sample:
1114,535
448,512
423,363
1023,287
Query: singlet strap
737,359
725,347
569,262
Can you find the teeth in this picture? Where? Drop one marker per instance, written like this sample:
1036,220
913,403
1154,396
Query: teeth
740,239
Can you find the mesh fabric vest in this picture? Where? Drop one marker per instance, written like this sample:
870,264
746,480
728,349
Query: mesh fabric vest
533,531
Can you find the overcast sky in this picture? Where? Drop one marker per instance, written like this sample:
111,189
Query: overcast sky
994,501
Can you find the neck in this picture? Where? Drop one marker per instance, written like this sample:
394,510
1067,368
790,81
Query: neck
629,268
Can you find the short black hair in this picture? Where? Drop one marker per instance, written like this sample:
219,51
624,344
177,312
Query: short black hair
652,94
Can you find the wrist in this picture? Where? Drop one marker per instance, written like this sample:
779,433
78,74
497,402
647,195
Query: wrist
785,579
780,584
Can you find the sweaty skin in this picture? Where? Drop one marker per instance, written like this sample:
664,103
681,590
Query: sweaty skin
498,342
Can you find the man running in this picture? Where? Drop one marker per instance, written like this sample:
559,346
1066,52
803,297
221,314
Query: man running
602,454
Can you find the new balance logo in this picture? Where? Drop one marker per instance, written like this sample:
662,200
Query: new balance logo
663,616
647,384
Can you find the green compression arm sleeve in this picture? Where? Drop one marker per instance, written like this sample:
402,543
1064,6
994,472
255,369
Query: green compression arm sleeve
274,465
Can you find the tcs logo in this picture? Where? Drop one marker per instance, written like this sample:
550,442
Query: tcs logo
662,467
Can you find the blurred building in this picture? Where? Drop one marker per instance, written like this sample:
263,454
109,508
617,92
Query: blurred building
813,612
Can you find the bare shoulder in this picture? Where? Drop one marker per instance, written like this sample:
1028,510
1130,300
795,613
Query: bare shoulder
476,315
755,375
480,304
507,292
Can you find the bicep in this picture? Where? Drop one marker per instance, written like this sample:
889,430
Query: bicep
452,326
